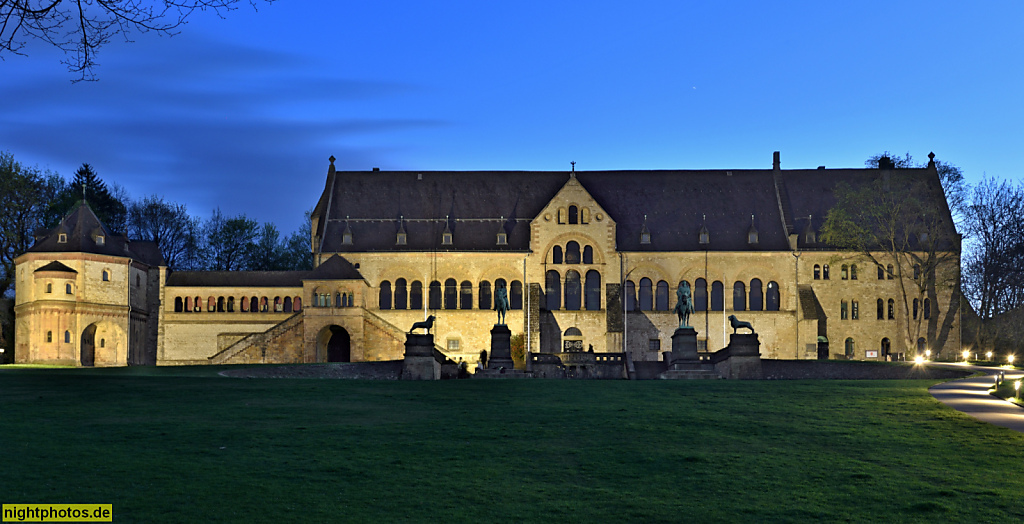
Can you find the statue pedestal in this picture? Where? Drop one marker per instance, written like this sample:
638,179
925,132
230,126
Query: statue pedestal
684,347
419,362
501,348
683,362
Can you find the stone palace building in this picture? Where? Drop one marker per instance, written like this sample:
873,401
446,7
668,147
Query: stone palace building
590,262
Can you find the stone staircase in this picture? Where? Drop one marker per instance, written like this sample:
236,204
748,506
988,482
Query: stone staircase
264,339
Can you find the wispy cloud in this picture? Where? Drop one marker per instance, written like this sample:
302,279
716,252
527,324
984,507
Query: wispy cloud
242,128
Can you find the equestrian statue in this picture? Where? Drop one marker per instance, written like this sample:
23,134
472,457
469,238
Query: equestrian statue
684,304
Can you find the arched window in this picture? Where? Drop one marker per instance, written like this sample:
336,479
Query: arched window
197,305
67,337
106,276
178,305
244,303
49,336
220,304
231,304
717,296
844,272
49,287
466,295
921,345
416,295
287,304
700,295
451,294
630,296
739,296
401,294
254,305
850,351
880,305
385,295
67,289
434,298
661,296
588,255
339,300
553,290
881,272
573,290
574,213
646,295
263,305
892,309
572,252
888,272
485,295
853,272
824,272
561,215
927,309
592,291
914,313
556,255
885,348
515,295
854,310
817,272
772,298
211,305
756,295
585,215
843,311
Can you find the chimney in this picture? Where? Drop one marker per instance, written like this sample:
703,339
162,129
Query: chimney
775,161
376,169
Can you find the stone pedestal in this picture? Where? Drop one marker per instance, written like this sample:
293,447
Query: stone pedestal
419,362
741,359
501,348
683,361
684,347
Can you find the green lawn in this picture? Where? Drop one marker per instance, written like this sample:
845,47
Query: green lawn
182,444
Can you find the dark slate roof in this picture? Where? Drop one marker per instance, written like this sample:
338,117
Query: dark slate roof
56,266
810,193
82,228
335,268
676,205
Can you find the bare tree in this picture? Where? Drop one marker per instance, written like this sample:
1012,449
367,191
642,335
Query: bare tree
169,225
900,219
80,27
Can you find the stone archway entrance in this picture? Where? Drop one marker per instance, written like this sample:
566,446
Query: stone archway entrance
87,355
335,345
822,348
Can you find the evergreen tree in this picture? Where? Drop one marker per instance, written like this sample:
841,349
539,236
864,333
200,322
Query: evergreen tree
87,184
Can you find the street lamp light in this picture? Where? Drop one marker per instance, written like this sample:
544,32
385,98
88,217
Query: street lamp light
1010,359
967,355
988,355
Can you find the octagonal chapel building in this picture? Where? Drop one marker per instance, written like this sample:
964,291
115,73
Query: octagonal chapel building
590,262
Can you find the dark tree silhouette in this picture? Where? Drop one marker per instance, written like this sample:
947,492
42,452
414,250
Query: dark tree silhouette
80,28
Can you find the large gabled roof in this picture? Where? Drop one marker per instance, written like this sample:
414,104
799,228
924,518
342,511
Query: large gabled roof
335,268
371,208
85,233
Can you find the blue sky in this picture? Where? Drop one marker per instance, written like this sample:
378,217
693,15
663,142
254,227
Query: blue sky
243,112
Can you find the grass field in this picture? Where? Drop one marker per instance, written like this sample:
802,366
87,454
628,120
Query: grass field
182,444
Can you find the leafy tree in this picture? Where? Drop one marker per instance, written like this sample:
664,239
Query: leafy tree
107,204
899,218
229,241
177,234
298,253
518,346
80,28
950,176
25,193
